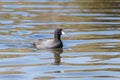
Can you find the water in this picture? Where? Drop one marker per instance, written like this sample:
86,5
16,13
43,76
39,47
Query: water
91,49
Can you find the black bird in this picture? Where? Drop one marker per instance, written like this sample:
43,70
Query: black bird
50,43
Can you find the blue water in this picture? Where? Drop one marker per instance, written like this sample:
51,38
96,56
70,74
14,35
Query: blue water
91,45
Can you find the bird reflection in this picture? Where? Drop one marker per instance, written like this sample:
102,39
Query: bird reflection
57,56
56,53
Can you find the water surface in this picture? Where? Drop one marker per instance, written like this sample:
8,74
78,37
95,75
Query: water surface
91,49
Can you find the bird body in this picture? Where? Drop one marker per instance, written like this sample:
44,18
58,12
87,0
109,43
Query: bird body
50,43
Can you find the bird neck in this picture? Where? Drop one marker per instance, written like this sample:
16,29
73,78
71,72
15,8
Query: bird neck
57,37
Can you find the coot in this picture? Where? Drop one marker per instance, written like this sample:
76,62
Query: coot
56,42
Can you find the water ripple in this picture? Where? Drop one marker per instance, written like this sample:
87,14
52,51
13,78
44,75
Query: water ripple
91,49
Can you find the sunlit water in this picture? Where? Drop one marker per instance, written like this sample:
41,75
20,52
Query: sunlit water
91,47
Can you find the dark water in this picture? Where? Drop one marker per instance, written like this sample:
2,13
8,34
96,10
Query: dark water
91,49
